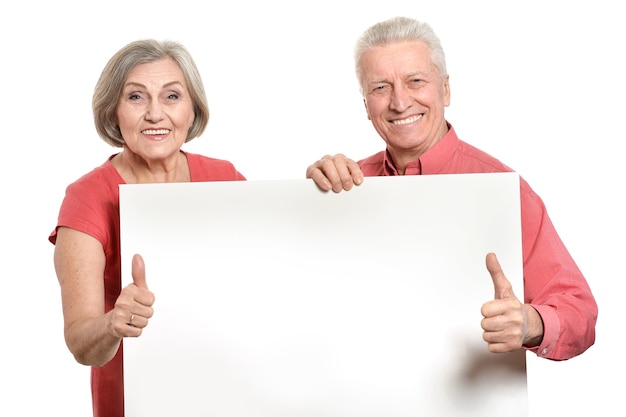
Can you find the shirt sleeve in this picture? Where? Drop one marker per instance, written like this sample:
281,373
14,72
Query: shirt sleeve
83,209
554,285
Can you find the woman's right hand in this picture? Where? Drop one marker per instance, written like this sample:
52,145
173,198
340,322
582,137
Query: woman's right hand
133,307
92,335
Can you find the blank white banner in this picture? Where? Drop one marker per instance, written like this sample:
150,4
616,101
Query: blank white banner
276,299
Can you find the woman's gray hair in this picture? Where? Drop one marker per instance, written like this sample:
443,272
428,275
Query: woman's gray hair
110,85
400,29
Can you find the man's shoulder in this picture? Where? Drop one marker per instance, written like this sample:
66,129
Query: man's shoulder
377,158
372,165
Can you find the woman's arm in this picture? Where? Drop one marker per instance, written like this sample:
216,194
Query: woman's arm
92,335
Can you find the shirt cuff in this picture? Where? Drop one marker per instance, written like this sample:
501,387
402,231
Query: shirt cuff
551,331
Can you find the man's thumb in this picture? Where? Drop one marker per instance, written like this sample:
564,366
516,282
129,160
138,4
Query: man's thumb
139,271
502,286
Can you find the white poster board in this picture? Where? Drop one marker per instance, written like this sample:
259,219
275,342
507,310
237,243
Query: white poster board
276,299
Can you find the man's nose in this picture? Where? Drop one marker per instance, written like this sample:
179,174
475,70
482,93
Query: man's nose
400,98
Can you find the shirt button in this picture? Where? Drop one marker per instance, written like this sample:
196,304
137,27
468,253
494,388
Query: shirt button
544,351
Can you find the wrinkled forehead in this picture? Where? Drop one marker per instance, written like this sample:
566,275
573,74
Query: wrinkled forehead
397,59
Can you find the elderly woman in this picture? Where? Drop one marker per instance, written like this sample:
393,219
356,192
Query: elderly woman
149,101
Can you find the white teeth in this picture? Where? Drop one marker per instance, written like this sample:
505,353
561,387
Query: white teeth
407,121
156,132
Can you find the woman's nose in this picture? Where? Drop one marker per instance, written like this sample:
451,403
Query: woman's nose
154,111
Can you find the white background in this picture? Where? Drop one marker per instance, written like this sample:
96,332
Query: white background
538,84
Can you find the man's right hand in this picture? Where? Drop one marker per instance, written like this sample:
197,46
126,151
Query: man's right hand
336,172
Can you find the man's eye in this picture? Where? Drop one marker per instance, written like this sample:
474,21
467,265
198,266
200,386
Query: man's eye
380,90
416,82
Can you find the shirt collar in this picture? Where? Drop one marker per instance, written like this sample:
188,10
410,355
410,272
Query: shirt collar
431,161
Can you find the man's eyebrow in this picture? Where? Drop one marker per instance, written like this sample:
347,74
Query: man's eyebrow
419,73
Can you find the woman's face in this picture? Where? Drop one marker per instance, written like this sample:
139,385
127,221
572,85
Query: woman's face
155,110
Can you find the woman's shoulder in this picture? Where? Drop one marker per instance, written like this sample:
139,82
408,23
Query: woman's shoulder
206,168
204,159
99,178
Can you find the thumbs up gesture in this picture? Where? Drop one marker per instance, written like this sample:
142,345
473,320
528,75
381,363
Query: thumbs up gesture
507,323
134,304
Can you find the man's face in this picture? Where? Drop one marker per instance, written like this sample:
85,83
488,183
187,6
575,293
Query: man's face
405,97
